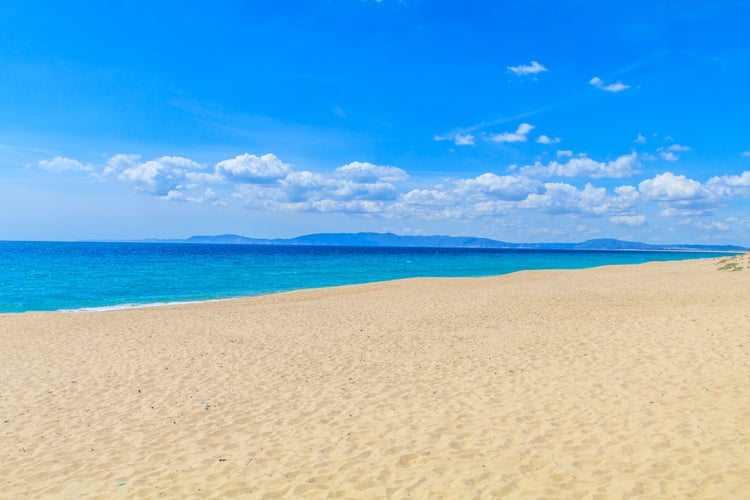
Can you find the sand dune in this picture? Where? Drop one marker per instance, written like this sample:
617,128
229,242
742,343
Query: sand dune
603,383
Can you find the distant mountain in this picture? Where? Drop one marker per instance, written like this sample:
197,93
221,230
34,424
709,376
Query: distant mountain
394,240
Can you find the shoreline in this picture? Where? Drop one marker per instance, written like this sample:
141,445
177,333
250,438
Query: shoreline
615,380
128,306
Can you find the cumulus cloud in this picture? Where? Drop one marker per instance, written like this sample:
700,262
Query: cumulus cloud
527,69
612,87
371,190
61,164
357,187
624,166
678,148
641,139
669,156
730,185
681,196
120,162
746,153
671,187
160,176
253,169
505,187
742,180
426,197
520,135
561,198
367,172
544,139
626,199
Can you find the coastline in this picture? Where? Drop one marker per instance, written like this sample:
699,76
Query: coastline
614,380
33,295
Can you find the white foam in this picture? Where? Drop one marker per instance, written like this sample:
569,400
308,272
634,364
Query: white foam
120,307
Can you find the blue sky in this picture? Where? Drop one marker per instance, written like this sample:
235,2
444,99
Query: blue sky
513,120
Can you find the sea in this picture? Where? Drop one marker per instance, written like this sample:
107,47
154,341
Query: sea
54,276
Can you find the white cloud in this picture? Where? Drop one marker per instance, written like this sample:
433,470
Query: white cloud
712,225
464,140
530,69
671,187
746,153
742,180
160,176
120,162
730,185
626,199
60,164
426,197
612,87
564,153
367,172
680,196
506,187
668,153
253,169
624,166
520,135
561,198
544,139
357,187
628,220
371,190
641,139
615,87
458,138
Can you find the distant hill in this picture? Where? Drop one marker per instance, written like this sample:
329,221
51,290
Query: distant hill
394,240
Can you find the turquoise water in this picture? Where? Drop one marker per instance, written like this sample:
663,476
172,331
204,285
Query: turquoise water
50,276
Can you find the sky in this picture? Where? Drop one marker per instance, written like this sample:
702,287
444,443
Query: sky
522,121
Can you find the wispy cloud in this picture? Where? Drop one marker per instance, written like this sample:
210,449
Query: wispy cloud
457,138
612,87
641,139
60,164
464,139
628,220
668,153
527,69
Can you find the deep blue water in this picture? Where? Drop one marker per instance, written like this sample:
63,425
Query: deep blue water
49,276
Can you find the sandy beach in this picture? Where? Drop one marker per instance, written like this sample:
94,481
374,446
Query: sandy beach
612,382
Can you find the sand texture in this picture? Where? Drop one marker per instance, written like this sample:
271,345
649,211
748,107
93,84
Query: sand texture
613,382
